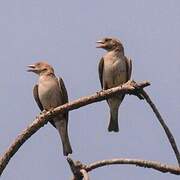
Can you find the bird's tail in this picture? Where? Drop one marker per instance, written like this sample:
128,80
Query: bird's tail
113,123
63,132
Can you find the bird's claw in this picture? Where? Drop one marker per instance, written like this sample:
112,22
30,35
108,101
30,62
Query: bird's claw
42,112
99,92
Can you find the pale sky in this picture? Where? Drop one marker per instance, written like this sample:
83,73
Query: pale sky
64,34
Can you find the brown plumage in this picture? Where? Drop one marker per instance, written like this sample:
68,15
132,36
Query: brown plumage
49,93
114,69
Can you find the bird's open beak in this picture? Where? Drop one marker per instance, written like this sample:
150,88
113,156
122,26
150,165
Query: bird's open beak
100,44
32,68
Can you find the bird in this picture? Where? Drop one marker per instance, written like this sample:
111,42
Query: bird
114,69
49,93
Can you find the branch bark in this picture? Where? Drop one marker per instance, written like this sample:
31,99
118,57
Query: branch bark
80,170
42,119
129,88
85,174
163,124
164,168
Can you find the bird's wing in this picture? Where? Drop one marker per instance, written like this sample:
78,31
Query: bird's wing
36,97
63,93
129,68
100,68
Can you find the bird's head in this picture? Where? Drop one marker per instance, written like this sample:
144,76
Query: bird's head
41,68
110,44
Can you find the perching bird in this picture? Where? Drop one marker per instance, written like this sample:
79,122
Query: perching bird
114,70
49,93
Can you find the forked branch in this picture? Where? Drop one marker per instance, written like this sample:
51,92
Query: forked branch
79,167
130,87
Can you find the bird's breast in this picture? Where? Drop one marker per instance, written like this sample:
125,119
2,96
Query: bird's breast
49,94
114,72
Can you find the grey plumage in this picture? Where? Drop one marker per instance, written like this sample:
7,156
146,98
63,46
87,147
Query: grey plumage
114,69
49,93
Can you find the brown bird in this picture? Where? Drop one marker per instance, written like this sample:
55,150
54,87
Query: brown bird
114,70
49,93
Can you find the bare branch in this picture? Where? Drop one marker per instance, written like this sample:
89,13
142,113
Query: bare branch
42,119
141,163
128,88
78,170
165,127
75,168
85,174
19,141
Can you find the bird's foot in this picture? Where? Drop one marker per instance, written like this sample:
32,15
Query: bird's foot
42,112
99,92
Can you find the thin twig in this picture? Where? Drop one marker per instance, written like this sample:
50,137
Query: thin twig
42,119
165,127
141,163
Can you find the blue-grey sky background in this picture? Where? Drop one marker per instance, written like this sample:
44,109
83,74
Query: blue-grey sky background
64,34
